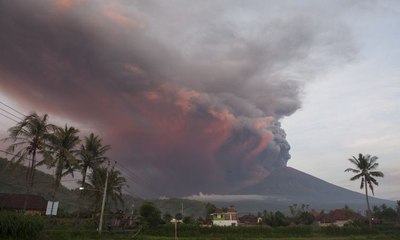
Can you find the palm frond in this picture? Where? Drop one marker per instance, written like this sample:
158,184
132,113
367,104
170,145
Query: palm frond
352,170
371,187
377,174
354,160
356,177
373,166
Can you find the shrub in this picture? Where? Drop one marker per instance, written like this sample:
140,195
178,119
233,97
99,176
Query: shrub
17,226
346,230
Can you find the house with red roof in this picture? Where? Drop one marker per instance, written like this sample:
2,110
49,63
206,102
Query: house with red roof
337,217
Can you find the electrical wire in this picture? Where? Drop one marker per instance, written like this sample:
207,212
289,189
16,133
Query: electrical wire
8,117
15,110
2,109
143,181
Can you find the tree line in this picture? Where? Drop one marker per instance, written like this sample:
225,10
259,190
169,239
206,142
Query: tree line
36,140
299,214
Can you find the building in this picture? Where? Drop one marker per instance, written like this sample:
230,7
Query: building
36,205
225,219
250,219
338,217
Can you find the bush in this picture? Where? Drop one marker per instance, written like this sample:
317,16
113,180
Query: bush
186,230
17,226
346,230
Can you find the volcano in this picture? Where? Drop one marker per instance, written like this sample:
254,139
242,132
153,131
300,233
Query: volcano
286,186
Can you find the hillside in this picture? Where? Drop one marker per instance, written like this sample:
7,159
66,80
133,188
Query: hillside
286,186
12,180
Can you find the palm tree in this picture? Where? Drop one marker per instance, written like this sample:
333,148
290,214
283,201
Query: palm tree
63,150
92,154
30,136
364,166
97,179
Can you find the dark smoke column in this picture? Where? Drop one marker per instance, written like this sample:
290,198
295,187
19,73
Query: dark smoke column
278,149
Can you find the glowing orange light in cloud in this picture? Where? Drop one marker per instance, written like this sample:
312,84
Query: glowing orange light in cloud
184,98
134,69
262,123
152,96
114,13
266,137
64,4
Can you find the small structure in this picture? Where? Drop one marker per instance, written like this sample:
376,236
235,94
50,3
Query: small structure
337,217
35,204
250,219
122,220
225,219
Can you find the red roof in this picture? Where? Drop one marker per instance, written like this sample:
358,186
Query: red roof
16,201
248,219
218,211
338,215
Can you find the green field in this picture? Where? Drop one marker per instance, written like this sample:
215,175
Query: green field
235,233
107,236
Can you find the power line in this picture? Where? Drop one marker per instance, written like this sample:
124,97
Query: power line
10,113
138,178
8,117
15,110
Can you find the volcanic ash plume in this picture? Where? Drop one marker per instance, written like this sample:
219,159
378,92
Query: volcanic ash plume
190,94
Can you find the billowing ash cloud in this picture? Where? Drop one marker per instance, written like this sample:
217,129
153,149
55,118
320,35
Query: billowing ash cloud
189,94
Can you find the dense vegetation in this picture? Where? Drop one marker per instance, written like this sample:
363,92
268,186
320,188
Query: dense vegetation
191,231
17,226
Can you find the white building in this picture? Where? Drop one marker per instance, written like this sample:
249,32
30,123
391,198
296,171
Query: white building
225,219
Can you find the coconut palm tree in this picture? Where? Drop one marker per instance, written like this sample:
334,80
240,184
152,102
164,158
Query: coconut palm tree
63,153
30,137
92,154
97,179
364,169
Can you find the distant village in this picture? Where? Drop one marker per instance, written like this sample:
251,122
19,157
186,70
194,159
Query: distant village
220,217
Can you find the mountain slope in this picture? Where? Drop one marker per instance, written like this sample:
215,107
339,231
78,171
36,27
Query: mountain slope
288,185
12,180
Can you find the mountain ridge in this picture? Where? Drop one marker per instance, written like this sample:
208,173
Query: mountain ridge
292,186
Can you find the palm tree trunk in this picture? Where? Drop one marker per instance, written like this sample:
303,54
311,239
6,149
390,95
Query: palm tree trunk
29,182
33,168
81,196
57,180
84,176
369,209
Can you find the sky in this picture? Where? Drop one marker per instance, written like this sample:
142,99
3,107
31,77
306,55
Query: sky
212,96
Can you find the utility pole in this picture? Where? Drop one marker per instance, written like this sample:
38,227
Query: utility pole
176,221
182,210
104,200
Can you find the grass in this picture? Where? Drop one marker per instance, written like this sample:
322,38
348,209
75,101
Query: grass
389,233
94,236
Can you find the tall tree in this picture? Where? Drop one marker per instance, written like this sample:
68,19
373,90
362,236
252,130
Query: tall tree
30,136
92,154
150,214
364,169
63,153
97,179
